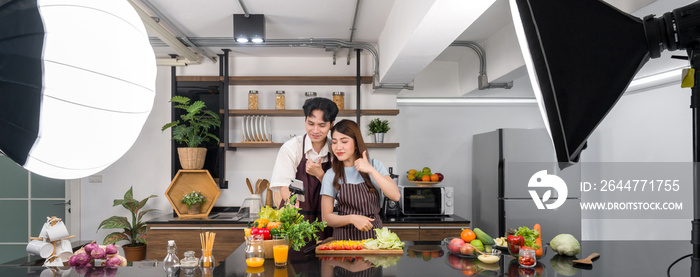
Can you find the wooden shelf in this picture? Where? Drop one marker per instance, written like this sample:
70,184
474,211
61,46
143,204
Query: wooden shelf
278,144
281,80
290,113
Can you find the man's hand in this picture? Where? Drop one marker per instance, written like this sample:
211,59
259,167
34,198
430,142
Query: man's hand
314,168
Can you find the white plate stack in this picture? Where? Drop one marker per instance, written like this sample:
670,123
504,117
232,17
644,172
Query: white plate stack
256,128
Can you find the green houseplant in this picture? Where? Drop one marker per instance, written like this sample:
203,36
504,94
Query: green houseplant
193,129
378,127
193,200
135,231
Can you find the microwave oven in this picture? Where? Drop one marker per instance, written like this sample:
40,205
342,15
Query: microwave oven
427,200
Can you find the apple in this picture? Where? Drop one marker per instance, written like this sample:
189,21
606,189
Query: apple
440,176
466,249
455,244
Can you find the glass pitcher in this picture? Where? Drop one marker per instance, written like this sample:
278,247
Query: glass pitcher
254,251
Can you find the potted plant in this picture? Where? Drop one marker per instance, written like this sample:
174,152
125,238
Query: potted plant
193,130
134,232
378,127
194,201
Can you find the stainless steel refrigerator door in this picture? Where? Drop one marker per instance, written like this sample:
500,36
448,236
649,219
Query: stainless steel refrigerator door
526,152
524,212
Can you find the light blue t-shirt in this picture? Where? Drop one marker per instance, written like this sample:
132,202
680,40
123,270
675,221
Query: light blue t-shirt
352,176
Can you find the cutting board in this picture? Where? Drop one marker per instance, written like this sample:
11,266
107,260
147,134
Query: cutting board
391,252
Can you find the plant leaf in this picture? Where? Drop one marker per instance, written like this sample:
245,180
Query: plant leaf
143,202
171,124
115,222
115,237
144,212
180,99
129,195
132,206
196,107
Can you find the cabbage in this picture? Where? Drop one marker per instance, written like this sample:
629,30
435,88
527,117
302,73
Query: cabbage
386,239
565,244
269,213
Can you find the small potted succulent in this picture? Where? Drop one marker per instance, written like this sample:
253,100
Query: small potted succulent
194,201
378,127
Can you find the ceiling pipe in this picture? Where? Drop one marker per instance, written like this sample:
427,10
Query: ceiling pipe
352,30
483,80
165,35
245,11
177,32
314,43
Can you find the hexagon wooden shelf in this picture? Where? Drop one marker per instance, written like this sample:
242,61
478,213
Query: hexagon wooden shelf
186,181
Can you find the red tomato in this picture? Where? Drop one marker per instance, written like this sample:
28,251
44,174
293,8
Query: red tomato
358,247
347,247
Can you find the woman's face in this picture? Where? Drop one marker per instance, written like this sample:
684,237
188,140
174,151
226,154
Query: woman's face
343,146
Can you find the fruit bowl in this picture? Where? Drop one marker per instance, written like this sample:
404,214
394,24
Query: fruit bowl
451,247
544,251
424,184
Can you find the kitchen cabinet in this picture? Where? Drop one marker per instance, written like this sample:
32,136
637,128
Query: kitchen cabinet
186,237
427,231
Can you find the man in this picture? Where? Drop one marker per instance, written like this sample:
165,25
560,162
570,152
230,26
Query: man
307,158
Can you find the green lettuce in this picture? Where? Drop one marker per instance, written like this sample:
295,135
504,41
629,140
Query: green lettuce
386,239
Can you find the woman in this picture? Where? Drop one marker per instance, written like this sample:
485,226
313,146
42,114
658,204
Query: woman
356,182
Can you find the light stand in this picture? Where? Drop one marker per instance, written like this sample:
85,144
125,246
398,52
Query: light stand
694,56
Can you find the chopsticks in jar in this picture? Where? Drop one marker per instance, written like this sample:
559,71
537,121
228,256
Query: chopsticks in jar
207,240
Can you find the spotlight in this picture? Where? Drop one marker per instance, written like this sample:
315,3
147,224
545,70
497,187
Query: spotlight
249,27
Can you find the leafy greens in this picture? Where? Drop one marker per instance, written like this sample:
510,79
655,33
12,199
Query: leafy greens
386,239
529,236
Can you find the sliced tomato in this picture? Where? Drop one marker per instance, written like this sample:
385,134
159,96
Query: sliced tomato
358,247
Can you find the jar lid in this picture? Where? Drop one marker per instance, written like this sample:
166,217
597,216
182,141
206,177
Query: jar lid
279,92
252,92
310,93
338,93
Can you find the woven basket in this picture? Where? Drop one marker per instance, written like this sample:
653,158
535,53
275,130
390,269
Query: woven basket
192,158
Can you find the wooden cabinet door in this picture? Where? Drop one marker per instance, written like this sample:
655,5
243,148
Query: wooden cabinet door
406,232
186,237
438,232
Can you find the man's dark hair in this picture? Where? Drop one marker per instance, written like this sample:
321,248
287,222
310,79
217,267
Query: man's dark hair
328,107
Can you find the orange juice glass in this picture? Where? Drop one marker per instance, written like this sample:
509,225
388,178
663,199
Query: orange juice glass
280,250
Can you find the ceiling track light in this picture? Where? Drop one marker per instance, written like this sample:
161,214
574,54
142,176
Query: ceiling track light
249,28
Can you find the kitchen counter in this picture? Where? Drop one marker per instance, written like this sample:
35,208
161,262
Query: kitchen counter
618,258
229,212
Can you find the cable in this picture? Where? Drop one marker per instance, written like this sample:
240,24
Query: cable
668,272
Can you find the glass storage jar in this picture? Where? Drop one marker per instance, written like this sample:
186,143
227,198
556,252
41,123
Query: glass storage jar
310,94
279,100
339,99
253,100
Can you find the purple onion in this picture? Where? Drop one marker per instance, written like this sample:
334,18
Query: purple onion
113,262
79,259
82,270
97,253
111,249
91,246
73,261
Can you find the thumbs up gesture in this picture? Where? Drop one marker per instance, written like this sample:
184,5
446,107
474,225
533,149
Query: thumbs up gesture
314,168
362,164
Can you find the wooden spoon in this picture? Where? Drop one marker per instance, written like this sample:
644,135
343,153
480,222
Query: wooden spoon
250,187
588,260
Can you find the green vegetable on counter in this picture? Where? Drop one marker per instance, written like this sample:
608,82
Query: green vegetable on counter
529,236
386,239
297,229
483,237
565,244
269,213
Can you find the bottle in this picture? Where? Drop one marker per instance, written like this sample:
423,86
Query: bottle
279,100
171,261
339,99
310,94
253,100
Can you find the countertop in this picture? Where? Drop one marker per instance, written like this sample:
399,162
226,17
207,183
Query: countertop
173,219
618,258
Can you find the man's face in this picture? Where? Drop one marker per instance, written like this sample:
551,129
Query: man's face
316,128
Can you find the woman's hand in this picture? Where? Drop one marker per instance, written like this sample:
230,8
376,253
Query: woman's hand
362,223
362,164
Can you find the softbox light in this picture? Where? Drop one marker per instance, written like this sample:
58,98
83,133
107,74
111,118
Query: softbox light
77,82
581,56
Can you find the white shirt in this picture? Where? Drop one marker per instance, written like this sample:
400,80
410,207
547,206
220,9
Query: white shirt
289,158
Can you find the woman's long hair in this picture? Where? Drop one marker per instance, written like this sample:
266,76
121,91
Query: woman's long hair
352,130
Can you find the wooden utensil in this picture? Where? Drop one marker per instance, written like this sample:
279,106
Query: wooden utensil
250,187
268,198
258,187
588,260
